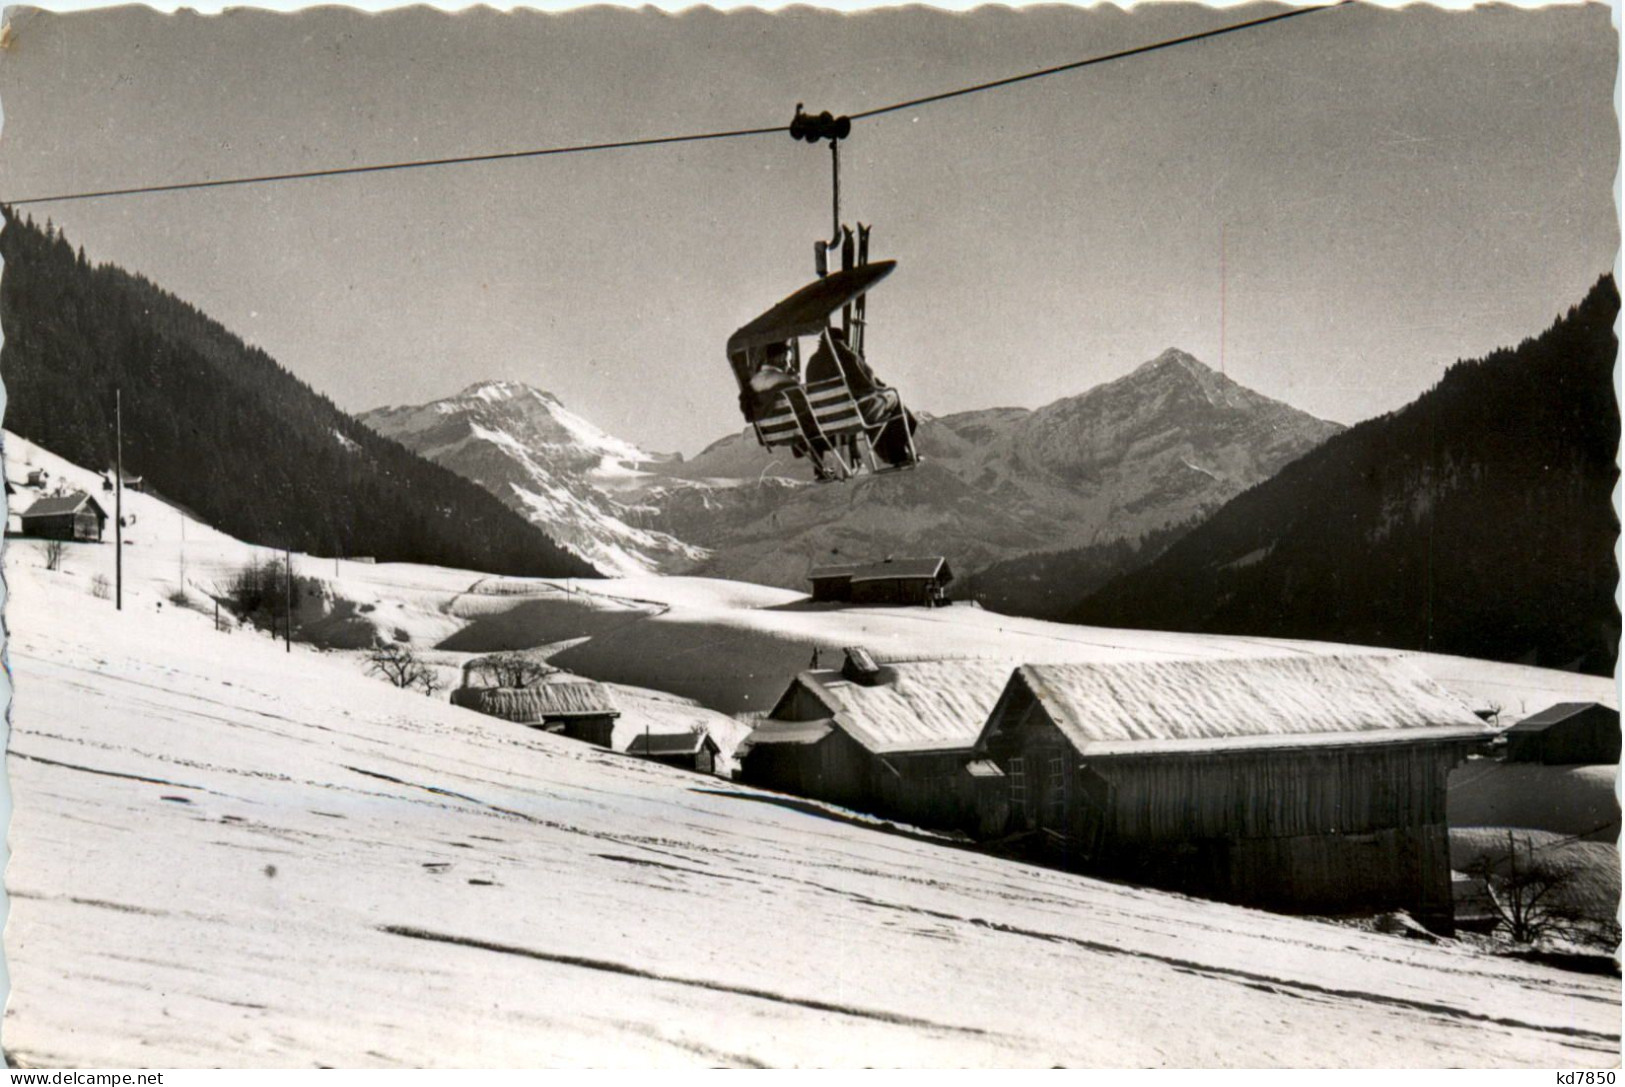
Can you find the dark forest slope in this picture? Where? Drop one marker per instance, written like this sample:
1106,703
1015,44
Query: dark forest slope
219,427
1476,521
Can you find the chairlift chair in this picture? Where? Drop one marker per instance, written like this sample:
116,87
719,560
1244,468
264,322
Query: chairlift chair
822,419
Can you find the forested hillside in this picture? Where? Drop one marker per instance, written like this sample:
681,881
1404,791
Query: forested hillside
219,427
1476,521
1048,584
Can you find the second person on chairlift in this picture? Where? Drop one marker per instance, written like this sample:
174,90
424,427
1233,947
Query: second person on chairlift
878,402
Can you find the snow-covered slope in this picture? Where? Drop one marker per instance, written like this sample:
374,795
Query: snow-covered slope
731,645
237,855
547,462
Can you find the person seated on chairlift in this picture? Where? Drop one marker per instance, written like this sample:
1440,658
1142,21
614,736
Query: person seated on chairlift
774,373
878,402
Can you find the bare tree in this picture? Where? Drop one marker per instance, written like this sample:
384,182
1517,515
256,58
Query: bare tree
1529,893
398,664
509,669
259,591
53,554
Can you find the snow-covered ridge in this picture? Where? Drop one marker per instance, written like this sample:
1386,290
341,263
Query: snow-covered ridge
562,472
1161,446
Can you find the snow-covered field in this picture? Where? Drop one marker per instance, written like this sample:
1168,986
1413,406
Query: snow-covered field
241,856
228,854
730,645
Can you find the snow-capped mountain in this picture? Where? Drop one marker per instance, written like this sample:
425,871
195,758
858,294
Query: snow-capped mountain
1166,444
547,462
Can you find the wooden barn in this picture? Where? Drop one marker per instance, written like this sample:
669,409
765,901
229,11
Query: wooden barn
1301,783
831,582
691,750
580,709
131,483
921,581
73,516
890,739
1569,733
899,581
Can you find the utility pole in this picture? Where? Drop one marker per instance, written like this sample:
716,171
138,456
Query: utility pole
1224,232
287,628
118,497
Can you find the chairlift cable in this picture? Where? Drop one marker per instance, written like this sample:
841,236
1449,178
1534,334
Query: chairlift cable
657,141
1120,55
341,171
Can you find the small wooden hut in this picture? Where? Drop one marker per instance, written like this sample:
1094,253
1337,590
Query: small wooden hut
920,581
888,739
1567,734
580,709
131,483
832,582
72,516
1301,783
899,581
691,750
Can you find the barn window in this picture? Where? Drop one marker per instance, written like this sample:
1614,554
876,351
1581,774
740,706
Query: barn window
1018,782
1057,788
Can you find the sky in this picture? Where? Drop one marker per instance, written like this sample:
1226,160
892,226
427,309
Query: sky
1334,207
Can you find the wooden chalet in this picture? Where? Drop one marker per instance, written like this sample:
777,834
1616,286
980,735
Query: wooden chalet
831,582
887,739
72,516
131,483
902,581
1301,783
1569,733
691,750
581,709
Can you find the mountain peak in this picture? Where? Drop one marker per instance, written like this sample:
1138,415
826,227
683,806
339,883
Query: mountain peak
1173,357
1180,369
498,392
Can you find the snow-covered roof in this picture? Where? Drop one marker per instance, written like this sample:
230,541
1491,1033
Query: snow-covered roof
1147,707
58,505
532,705
667,743
913,705
908,568
771,732
926,567
1551,715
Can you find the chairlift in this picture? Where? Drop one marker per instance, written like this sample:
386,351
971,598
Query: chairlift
829,406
